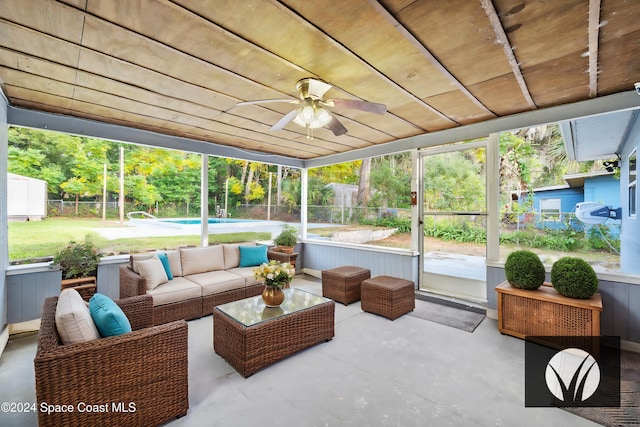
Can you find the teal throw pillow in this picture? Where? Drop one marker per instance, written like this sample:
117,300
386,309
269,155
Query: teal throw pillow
108,316
253,255
164,259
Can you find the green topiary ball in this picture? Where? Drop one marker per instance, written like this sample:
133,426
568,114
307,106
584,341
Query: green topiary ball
524,270
574,278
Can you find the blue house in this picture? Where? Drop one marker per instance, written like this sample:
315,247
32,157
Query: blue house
607,136
554,206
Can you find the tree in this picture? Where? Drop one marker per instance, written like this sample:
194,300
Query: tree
452,182
342,173
177,180
391,180
364,186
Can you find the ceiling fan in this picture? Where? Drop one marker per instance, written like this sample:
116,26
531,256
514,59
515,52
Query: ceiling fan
313,110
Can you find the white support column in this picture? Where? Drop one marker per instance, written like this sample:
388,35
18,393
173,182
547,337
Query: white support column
493,198
4,228
121,197
304,190
204,201
269,199
416,195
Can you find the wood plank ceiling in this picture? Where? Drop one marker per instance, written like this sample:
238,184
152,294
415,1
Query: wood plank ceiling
180,67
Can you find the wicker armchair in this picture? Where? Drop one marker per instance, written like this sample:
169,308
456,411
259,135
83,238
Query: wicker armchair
135,379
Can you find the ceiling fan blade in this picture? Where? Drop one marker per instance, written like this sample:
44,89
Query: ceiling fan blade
354,104
267,101
318,88
336,127
284,120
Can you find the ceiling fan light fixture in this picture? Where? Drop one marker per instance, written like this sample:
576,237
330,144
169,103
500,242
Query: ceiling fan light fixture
318,118
307,114
314,111
321,118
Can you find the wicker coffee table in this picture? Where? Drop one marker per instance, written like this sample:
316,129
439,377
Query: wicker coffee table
250,336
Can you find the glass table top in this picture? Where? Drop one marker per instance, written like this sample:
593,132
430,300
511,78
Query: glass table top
251,311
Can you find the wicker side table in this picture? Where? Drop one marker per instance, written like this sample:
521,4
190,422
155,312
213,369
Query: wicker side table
342,284
388,296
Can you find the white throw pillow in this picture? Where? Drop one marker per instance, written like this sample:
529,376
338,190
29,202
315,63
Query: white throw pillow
73,319
153,271
139,257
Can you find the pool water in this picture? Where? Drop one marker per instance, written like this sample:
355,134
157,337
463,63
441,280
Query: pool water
194,221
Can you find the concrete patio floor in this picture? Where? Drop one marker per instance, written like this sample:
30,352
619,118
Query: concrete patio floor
375,372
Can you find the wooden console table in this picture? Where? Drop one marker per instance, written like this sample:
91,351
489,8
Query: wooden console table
544,312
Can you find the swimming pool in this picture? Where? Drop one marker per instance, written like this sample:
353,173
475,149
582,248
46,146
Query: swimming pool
198,221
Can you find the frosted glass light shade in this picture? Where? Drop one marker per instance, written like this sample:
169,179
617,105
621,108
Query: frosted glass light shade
320,118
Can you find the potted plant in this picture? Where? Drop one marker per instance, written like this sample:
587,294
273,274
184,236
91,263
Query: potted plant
79,264
524,270
574,278
286,240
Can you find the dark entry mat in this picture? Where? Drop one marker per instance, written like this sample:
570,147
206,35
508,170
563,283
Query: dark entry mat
449,316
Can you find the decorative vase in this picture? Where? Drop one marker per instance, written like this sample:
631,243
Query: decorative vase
272,296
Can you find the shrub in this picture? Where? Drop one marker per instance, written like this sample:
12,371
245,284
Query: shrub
524,270
78,259
574,278
600,238
402,224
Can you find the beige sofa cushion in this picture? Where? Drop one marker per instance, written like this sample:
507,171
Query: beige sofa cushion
153,272
246,273
232,255
174,262
214,282
73,319
176,290
201,260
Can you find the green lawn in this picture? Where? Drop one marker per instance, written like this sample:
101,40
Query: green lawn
38,239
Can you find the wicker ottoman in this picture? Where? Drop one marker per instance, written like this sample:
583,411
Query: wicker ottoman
342,284
388,296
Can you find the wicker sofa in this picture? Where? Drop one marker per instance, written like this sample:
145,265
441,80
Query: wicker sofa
146,368
203,277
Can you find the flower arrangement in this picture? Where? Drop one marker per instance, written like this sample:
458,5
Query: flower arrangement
275,273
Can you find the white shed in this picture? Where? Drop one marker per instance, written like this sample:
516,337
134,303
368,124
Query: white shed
26,198
344,195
